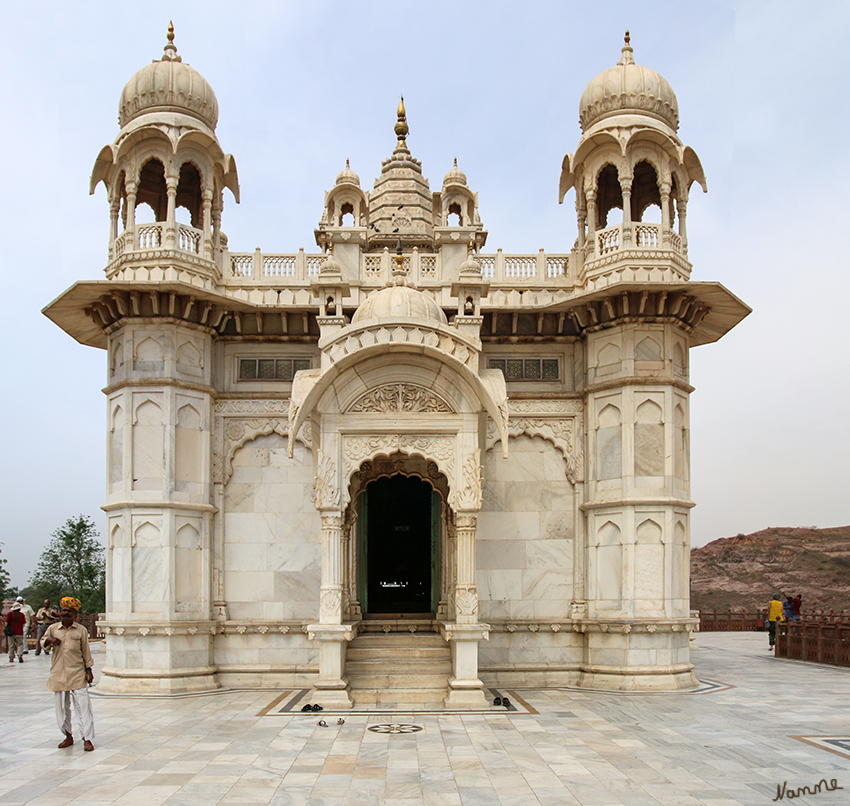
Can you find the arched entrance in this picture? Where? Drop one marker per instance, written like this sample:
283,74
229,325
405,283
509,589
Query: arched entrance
399,530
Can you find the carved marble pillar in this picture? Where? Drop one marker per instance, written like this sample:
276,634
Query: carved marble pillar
466,592
331,634
582,224
330,609
114,208
465,687
665,214
130,215
682,208
578,605
206,246
591,220
626,188
216,224
219,604
170,216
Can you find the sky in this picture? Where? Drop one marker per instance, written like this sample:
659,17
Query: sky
762,93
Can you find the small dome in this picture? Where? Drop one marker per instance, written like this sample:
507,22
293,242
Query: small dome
628,88
454,177
399,301
347,177
168,85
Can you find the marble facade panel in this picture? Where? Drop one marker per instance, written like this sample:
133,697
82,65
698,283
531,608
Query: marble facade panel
245,557
508,525
551,553
504,554
301,586
294,556
556,525
543,584
248,586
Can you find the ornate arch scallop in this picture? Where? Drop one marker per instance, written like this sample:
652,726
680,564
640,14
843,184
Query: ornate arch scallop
556,421
358,449
237,422
397,464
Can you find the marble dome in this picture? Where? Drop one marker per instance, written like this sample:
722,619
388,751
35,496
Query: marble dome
454,177
399,301
628,88
347,177
168,85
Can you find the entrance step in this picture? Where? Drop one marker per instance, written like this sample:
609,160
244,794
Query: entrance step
398,668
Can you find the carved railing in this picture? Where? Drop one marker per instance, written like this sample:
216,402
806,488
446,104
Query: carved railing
189,239
149,236
300,267
644,236
152,236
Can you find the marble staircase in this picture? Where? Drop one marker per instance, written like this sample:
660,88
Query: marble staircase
398,669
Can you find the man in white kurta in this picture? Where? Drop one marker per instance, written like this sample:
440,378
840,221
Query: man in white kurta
71,673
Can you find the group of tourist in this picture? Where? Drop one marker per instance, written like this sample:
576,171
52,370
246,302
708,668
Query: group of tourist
71,666
19,622
782,608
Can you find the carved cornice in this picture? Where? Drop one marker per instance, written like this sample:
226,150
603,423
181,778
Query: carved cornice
135,629
586,625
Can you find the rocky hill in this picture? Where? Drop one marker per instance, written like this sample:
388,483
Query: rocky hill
743,572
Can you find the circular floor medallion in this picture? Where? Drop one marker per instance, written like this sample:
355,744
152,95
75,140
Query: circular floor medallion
395,728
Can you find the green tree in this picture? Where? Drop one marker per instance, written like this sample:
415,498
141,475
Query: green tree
72,565
4,576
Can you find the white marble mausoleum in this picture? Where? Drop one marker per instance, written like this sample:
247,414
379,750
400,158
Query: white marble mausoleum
401,467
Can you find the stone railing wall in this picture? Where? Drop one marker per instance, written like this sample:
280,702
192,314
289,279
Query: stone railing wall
152,236
299,268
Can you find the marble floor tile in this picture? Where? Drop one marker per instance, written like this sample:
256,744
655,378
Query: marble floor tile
581,749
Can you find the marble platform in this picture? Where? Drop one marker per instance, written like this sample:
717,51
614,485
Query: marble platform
755,723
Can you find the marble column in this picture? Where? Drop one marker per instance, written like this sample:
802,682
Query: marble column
465,687
330,633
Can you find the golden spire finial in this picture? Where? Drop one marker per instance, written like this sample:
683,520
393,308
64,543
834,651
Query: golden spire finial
170,50
627,56
401,127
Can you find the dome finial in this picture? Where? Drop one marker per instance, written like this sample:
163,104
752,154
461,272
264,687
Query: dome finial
170,50
628,51
401,128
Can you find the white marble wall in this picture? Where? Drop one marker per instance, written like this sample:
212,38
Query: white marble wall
272,537
525,534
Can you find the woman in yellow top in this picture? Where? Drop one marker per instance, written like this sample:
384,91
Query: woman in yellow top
774,614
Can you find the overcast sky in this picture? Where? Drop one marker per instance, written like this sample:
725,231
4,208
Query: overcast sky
762,90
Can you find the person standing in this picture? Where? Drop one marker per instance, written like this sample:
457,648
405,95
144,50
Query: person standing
774,614
17,621
44,618
71,672
798,603
29,614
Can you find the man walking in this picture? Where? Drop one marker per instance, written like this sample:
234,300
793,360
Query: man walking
28,614
15,641
71,672
44,618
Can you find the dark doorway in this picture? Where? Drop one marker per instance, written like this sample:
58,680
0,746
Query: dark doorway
399,546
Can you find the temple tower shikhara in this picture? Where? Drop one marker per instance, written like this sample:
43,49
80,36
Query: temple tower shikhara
400,469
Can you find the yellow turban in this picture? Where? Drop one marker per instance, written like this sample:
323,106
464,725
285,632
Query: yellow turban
70,603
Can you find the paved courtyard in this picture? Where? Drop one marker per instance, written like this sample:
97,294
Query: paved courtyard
755,723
